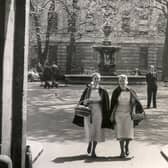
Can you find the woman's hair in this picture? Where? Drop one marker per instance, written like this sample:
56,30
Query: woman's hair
151,66
123,77
96,74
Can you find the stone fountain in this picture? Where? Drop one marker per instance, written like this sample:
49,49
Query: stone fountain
107,52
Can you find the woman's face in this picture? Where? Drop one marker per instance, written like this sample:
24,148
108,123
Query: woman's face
123,82
96,79
151,69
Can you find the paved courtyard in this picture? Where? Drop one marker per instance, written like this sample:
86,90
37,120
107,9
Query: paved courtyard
50,114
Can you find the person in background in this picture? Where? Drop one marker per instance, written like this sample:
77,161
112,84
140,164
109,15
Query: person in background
54,75
40,71
123,104
47,75
98,100
151,80
137,72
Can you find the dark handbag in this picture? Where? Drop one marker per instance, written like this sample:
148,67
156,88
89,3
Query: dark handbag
82,111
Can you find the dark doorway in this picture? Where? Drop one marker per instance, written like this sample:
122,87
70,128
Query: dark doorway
143,58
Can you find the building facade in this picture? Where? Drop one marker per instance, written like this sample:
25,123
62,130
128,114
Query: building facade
136,27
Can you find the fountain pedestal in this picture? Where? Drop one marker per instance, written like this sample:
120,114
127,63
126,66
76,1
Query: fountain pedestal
105,80
107,53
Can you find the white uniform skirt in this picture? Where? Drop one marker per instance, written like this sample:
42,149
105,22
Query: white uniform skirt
93,129
124,126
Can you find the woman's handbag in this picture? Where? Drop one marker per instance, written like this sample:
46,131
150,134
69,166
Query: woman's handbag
82,111
138,116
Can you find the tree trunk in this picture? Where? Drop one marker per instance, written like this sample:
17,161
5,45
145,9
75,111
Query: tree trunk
71,53
71,62
47,41
42,55
37,28
48,32
165,56
36,17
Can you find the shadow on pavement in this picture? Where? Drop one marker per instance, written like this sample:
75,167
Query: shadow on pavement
70,158
106,159
88,159
153,130
164,155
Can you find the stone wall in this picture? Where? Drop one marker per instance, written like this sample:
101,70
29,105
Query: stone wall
61,57
138,30
129,57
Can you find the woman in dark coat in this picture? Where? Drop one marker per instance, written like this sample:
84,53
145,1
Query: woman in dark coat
124,103
98,100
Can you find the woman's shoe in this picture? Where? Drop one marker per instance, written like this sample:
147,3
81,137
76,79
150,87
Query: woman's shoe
122,155
93,155
89,148
126,150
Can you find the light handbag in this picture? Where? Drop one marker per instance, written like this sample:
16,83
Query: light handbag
138,116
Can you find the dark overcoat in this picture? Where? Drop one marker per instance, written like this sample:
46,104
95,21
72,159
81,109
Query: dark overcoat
151,80
77,120
133,100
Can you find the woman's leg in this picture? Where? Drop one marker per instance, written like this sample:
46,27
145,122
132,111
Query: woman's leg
94,148
127,147
89,147
122,148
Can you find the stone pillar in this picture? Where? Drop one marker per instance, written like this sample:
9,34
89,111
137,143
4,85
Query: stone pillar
7,77
18,141
13,78
2,41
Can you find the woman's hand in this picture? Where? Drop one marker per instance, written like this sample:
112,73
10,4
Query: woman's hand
86,102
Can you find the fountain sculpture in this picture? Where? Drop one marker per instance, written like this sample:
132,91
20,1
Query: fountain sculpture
107,52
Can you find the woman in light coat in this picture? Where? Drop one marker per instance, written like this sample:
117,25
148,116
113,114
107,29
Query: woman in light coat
124,103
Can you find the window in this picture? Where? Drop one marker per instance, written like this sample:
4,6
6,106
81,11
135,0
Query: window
126,24
143,58
52,56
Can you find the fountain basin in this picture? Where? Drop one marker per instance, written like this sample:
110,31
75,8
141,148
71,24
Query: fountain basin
105,80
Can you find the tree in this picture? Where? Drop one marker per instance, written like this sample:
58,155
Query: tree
117,12
162,5
71,10
72,21
36,13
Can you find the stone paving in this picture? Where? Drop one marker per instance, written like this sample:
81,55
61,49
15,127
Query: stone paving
50,114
